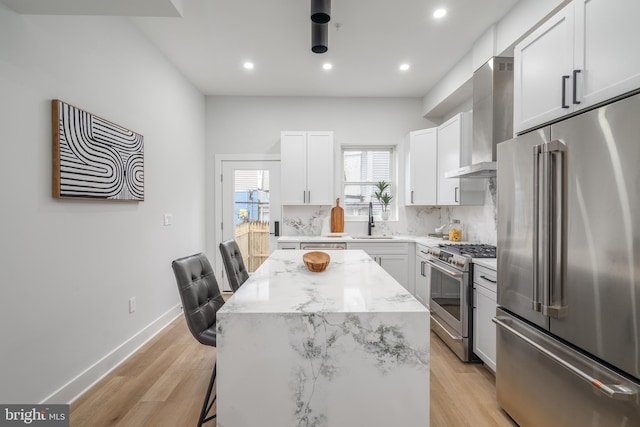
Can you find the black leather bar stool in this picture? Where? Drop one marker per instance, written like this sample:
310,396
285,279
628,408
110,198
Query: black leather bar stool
201,300
237,273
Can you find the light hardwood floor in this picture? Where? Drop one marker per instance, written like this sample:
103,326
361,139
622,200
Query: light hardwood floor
163,384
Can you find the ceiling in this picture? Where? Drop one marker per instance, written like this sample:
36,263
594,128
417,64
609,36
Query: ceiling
368,40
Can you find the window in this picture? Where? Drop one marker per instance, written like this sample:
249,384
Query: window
362,168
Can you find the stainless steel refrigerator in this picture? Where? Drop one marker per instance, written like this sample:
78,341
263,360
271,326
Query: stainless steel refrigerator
568,318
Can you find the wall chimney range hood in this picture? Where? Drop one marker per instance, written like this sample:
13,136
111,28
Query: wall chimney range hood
492,117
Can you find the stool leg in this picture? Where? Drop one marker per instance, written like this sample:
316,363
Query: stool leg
206,406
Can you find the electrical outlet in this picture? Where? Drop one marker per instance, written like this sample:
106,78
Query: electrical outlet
168,219
132,304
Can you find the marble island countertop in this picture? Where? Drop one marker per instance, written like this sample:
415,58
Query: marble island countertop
343,347
353,282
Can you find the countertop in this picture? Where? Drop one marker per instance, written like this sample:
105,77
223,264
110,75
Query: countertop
352,282
428,241
491,263
347,238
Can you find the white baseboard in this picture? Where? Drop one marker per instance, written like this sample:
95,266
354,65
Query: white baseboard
85,380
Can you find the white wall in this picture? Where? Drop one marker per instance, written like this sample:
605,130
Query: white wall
253,124
68,268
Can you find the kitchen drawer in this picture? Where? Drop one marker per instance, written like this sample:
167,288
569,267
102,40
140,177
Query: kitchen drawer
288,245
421,250
485,277
381,248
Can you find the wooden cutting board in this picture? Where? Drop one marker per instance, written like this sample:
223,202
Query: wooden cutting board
337,218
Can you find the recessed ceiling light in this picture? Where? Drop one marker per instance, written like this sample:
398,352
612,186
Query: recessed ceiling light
327,66
439,13
404,67
248,65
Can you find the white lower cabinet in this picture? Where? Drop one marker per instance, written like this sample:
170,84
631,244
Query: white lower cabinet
393,257
484,310
398,267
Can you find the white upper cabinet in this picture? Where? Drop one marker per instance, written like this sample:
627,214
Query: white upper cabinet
454,151
422,168
580,57
606,53
543,64
306,164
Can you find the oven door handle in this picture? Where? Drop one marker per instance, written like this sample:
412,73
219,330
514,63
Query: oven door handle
454,274
453,337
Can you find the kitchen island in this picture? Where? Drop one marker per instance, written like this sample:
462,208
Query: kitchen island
345,347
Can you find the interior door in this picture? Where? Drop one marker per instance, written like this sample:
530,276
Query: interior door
250,209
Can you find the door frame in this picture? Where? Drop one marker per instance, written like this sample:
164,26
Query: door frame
217,191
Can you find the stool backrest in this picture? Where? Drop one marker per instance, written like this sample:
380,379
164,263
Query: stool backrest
237,273
200,296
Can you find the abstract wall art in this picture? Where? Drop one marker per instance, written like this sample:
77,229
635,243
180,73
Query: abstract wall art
94,158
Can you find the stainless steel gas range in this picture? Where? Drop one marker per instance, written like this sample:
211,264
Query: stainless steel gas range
449,269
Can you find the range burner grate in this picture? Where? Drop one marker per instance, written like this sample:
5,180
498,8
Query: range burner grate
472,250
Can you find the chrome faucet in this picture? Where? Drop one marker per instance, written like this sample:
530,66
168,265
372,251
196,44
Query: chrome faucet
370,225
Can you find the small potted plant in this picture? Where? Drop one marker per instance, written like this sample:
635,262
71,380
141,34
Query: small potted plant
384,198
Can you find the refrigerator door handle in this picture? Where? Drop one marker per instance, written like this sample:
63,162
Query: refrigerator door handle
553,301
535,297
614,391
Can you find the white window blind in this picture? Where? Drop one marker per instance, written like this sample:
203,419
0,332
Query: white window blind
363,167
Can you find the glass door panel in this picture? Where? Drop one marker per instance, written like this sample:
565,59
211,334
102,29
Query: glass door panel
251,209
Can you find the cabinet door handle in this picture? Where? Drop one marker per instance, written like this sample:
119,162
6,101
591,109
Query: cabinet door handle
564,91
575,86
487,279
309,196
455,194
422,273
304,196
411,196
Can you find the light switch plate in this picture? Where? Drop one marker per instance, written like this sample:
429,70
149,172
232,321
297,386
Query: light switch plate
168,219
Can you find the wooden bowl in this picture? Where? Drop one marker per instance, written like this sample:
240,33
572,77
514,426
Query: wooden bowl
316,261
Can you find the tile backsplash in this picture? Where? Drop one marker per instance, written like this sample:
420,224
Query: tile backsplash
314,221
479,222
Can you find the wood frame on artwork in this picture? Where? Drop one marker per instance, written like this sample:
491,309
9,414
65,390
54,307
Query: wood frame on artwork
94,159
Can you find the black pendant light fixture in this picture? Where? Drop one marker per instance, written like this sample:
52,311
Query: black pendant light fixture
321,11
319,37
320,17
